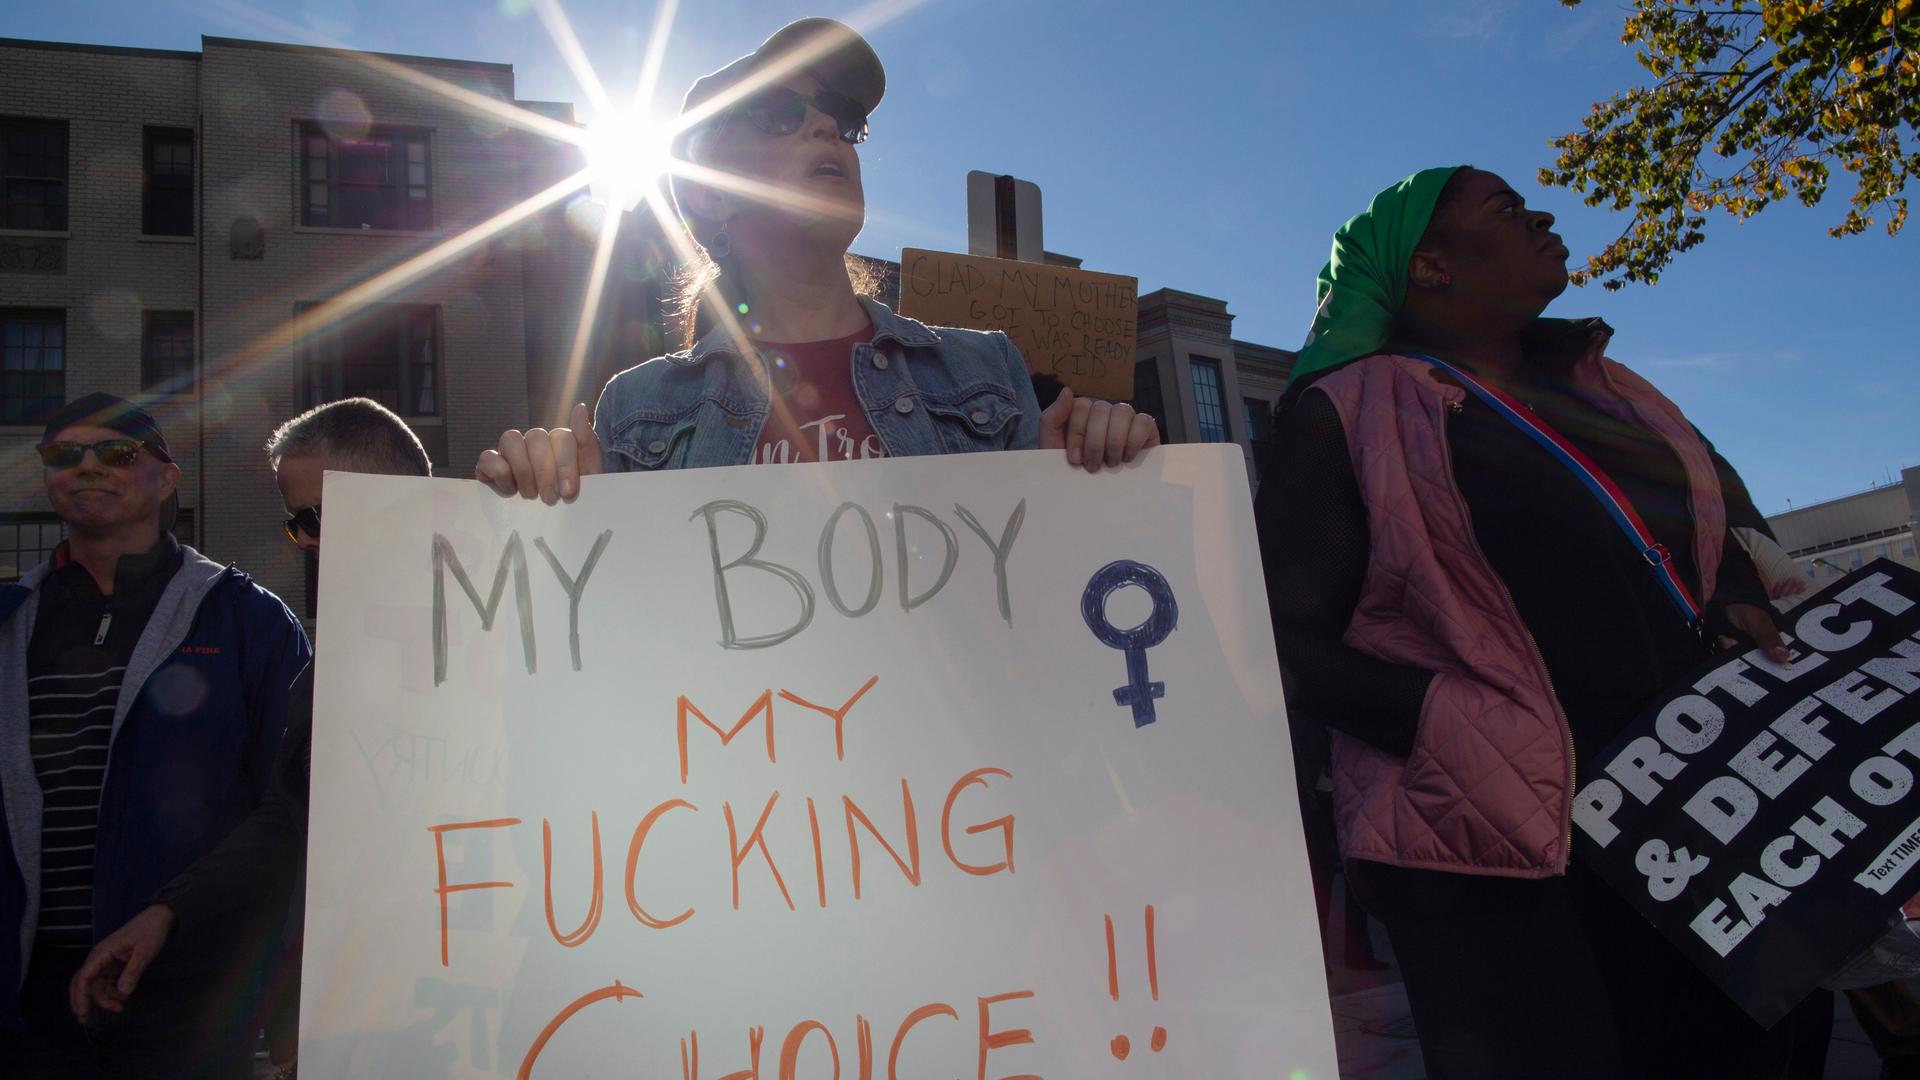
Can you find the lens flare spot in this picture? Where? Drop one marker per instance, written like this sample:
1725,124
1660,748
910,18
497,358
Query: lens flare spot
333,18
626,155
585,215
179,690
946,73
116,314
743,307
343,114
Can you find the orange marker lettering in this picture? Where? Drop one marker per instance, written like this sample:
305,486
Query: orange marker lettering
900,1036
839,715
819,865
761,704
754,839
440,855
910,866
991,1040
752,1071
592,921
790,1049
1005,825
633,863
616,992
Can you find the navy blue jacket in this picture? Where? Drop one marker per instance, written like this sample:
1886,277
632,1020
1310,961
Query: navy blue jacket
199,720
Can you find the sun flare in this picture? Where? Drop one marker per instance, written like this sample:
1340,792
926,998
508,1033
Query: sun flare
625,156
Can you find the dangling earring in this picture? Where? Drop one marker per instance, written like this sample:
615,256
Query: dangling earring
721,245
1446,280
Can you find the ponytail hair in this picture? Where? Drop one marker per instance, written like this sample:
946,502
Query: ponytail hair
703,284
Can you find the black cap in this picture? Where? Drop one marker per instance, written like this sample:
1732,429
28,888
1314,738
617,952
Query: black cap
837,56
103,410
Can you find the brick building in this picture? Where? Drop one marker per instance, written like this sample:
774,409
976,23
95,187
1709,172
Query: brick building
1201,383
165,215
1838,536
1190,374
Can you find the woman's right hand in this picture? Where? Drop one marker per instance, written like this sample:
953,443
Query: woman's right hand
543,462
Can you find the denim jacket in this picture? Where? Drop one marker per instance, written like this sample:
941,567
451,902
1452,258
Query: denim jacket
925,391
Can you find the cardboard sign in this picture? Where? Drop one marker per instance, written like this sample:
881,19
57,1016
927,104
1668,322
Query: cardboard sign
1764,817
971,765
1076,325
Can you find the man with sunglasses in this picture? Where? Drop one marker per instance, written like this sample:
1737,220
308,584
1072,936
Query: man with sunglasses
143,692
253,873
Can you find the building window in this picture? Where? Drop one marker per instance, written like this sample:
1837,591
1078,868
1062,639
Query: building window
380,180
1853,559
33,364
26,541
1146,392
1906,548
166,352
169,183
1207,403
1259,432
390,353
1812,569
1880,551
33,174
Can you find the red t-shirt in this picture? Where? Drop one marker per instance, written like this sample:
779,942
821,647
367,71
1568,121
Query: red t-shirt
815,414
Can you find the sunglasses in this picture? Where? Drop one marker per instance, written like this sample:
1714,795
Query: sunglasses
115,453
304,520
779,111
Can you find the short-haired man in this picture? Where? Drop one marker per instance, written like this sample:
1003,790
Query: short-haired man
143,692
255,868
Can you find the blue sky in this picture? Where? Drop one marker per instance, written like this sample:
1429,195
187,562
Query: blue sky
1214,146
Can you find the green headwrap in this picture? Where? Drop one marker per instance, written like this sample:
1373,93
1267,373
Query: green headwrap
1365,279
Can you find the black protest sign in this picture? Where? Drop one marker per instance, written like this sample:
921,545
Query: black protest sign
1766,818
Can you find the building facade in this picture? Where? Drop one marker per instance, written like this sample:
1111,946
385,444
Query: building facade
1838,536
1190,373
170,223
1200,383
173,226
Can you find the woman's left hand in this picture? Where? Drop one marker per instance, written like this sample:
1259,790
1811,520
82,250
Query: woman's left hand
1096,432
1756,623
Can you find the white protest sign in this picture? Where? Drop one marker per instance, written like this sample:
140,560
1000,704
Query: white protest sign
807,771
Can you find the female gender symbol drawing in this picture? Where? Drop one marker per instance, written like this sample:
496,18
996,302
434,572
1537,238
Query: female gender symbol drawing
1139,692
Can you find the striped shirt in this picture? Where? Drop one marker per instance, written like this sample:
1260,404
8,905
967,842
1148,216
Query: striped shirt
77,659
72,725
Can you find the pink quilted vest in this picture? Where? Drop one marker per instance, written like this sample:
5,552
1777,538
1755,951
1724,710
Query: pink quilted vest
1488,787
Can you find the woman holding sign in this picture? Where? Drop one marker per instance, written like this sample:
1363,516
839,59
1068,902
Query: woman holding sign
1487,546
783,360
